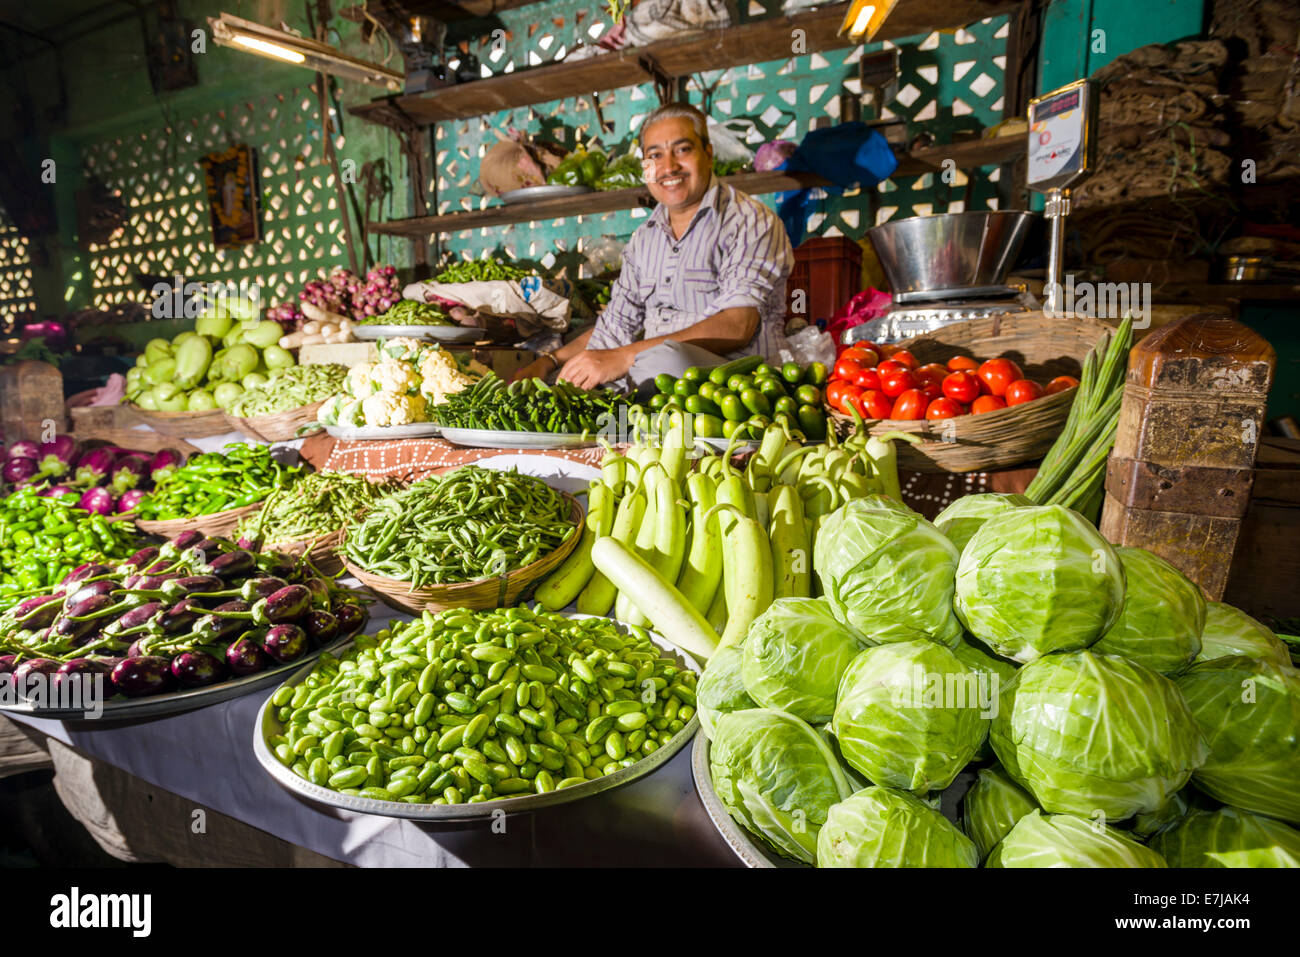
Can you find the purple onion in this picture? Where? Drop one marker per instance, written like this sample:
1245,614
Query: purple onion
97,501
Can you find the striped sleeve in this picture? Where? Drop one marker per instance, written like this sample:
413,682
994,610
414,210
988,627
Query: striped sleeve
622,321
756,257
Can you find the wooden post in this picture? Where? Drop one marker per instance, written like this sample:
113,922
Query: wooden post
1180,477
31,396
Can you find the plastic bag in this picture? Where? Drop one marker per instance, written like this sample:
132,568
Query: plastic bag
863,307
652,20
808,345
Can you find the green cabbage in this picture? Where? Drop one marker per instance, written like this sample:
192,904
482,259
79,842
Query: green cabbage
887,572
720,688
992,808
776,776
793,657
1163,614
884,827
1084,732
1249,712
1063,840
1229,838
1229,631
1162,818
910,715
965,516
1037,580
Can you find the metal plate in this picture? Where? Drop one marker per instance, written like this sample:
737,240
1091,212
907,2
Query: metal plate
414,430
721,444
500,439
533,194
175,702
424,333
748,848
266,725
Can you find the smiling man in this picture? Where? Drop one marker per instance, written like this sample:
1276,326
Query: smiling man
703,279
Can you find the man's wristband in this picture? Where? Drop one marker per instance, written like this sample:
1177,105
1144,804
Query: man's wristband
552,357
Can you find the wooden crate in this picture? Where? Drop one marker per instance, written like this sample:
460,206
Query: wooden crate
31,401
1266,566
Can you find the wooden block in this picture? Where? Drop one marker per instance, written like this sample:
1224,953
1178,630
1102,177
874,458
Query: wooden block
1200,546
338,353
31,398
1223,493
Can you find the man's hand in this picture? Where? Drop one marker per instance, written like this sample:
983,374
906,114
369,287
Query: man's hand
592,368
539,368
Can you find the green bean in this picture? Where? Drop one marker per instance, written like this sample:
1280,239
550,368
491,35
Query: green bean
445,746
290,388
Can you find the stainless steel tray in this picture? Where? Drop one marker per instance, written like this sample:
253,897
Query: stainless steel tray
175,702
747,847
532,194
429,333
415,430
720,445
266,725
499,439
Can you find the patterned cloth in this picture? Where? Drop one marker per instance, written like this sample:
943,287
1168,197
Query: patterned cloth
735,252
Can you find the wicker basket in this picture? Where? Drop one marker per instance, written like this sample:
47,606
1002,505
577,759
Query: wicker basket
322,551
218,523
184,425
276,427
1044,348
484,593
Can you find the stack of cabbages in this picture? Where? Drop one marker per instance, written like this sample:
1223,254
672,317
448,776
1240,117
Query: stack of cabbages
1109,715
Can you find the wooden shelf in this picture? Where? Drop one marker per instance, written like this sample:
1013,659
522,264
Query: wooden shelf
1226,291
967,155
754,42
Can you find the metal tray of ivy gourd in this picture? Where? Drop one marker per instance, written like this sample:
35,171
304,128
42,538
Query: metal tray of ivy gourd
266,726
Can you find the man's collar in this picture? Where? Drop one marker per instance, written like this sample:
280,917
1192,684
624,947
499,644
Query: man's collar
712,199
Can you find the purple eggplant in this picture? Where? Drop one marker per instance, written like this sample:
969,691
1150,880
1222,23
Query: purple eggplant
137,648
130,500
102,587
145,675
285,643
129,472
214,627
320,593
245,656
83,668
56,456
18,471
193,669
181,587
141,559
321,626
249,544
132,621
40,666
56,491
277,564
351,617
97,501
290,602
178,618
164,463
236,564
172,550
24,449
84,572
94,467
7,664
38,612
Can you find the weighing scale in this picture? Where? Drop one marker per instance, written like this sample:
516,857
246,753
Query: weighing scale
1062,153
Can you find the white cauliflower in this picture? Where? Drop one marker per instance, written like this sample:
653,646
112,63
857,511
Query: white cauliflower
357,382
440,377
403,348
390,375
328,414
352,414
390,408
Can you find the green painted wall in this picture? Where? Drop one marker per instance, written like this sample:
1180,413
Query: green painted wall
1081,36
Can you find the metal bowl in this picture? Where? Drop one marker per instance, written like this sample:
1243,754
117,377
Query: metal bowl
936,257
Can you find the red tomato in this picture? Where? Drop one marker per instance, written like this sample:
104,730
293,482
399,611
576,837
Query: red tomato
998,374
835,389
905,357
1022,390
867,379
944,409
961,386
889,365
847,391
847,369
933,372
865,344
894,384
1060,384
867,358
877,404
962,364
931,390
987,403
909,405
886,350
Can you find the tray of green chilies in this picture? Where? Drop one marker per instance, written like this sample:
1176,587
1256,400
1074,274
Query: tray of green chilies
267,726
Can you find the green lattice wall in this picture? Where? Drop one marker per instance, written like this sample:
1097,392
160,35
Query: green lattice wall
15,274
949,81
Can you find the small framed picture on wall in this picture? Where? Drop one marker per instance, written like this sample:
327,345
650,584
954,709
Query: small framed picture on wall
234,199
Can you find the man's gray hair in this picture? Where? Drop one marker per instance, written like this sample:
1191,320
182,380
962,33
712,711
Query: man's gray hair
676,111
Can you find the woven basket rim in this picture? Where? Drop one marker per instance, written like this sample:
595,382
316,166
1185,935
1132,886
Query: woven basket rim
433,592
162,526
271,418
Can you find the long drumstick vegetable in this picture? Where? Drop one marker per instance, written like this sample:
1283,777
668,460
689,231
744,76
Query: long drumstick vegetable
672,616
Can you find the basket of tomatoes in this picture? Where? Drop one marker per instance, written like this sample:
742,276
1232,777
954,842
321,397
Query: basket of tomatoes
984,394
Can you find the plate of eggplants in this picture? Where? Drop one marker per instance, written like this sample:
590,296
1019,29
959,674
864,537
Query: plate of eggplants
189,623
